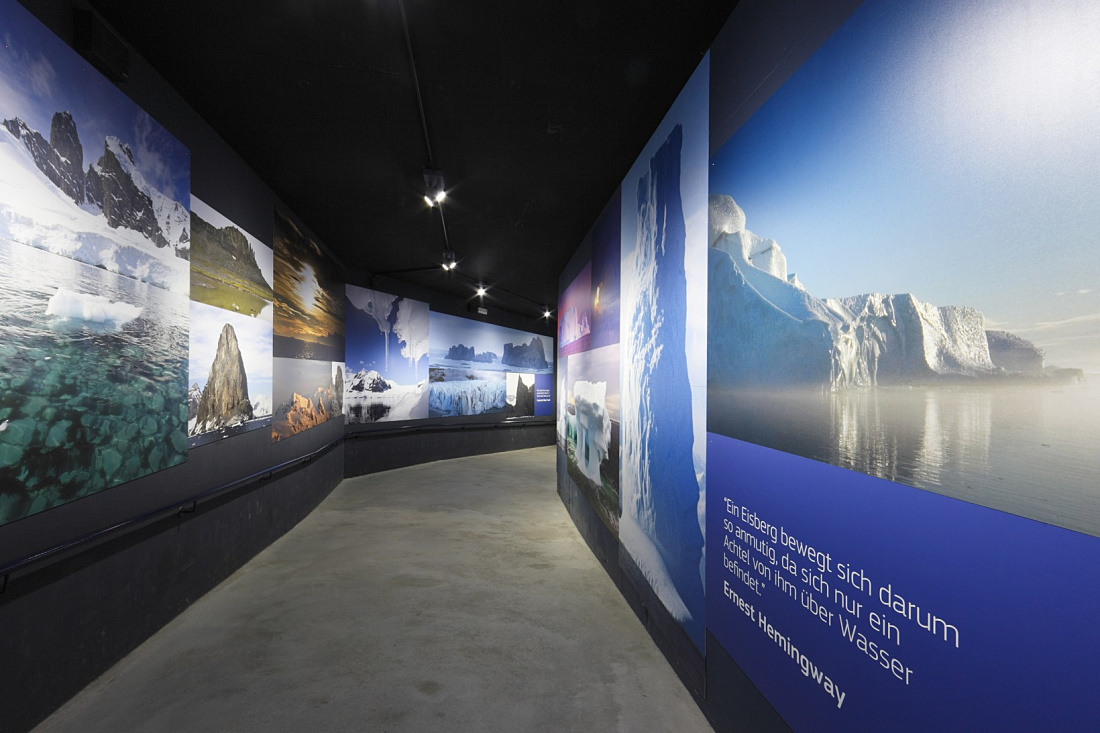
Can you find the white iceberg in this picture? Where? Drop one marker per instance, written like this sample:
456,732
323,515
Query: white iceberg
90,308
593,427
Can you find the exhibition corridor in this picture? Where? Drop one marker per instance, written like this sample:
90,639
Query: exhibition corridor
449,596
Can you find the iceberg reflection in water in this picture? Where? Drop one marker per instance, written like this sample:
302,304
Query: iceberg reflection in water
1031,450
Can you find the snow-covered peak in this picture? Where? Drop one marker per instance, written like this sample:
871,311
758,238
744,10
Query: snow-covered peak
261,405
125,156
368,381
171,216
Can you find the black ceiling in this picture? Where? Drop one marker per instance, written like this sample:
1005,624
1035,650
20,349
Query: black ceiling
534,112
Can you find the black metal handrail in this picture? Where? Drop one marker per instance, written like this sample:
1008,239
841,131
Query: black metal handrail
184,506
434,427
188,505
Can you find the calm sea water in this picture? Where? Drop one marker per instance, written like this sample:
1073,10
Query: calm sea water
1028,449
84,407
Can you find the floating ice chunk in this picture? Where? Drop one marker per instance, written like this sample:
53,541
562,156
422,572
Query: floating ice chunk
91,308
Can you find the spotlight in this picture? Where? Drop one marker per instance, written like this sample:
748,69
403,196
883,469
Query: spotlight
546,313
433,182
481,291
449,262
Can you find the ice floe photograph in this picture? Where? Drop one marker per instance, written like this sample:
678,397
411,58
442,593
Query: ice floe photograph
386,357
309,296
904,274
94,246
591,426
305,396
469,362
663,320
230,373
230,268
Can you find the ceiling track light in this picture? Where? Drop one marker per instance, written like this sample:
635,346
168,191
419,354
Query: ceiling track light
449,261
433,183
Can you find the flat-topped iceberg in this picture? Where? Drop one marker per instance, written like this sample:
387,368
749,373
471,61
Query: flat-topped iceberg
766,329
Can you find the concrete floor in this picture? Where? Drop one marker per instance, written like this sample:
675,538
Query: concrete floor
450,596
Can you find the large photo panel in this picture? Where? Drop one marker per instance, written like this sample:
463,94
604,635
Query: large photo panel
308,332
903,444
590,427
386,357
469,364
94,247
663,351
309,296
924,338
230,370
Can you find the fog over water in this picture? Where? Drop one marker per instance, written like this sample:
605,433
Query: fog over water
1028,449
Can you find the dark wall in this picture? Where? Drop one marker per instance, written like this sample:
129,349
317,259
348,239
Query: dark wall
65,624
381,450
67,618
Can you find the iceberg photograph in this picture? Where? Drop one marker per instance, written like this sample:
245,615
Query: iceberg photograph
460,344
663,349
305,396
943,330
590,426
94,247
387,357
309,297
469,362
230,268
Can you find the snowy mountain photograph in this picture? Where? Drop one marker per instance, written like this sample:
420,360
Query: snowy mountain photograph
94,247
230,268
943,328
387,357
663,350
309,296
305,396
